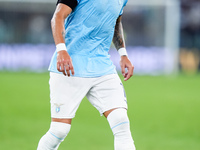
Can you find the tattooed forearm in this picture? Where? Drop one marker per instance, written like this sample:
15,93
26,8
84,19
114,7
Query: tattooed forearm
118,38
63,34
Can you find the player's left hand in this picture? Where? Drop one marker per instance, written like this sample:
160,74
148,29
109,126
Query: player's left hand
125,63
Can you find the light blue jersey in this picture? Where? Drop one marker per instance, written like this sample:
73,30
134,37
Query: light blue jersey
89,32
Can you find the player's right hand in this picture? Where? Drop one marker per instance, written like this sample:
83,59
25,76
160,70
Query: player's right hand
64,63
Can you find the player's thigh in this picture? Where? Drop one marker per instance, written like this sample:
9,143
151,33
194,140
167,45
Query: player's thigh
66,93
108,93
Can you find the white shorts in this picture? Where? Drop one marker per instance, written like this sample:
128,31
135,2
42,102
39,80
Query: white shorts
66,93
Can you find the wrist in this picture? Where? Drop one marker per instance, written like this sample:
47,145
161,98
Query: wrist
61,47
122,51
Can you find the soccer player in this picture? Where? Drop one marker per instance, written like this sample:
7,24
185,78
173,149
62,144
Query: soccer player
83,31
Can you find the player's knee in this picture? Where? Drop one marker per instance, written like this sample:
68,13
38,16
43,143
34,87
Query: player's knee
120,126
118,120
121,115
59,130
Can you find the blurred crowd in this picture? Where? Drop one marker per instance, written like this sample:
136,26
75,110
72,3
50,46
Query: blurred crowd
190,36
144,27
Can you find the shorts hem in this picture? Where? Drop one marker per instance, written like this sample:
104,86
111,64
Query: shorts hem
63,117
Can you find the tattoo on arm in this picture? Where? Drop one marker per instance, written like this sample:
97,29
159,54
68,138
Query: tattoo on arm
63,34
118,38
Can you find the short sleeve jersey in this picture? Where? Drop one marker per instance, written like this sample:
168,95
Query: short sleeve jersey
89,32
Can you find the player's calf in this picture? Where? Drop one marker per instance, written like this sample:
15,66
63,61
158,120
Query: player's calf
120,126
56,134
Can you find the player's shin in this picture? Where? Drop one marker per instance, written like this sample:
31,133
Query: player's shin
120,126
56,134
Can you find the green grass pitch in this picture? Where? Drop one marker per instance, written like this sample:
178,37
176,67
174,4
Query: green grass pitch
164,114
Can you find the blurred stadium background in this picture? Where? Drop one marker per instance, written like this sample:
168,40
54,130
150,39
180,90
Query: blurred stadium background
163,42
162,36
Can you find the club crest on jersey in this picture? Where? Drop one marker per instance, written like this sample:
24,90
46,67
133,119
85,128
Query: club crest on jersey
58,107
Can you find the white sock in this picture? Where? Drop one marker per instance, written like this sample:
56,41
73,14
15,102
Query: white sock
56,134
120,126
